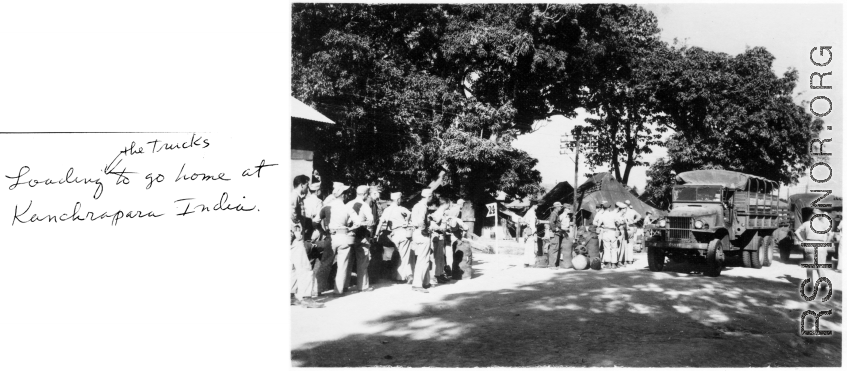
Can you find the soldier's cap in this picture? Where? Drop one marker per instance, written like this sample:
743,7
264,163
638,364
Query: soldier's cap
338,186
315,186
620,205
395,196
460,201
557,204
649,212
626,202
817,211
426,192
362,189
605,203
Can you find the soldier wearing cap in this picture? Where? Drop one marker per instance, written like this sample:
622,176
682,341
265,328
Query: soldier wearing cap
422,240
553,235
566,240
631,217
337,217
361,221
381,248
607,225
623,237
395,219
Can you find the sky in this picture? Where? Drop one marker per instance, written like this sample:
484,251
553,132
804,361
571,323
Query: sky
788,31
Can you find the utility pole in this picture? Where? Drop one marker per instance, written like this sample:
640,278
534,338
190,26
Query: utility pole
570,142
573,143
575,179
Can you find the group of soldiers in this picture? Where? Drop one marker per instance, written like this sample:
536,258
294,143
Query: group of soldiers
373,236
607,242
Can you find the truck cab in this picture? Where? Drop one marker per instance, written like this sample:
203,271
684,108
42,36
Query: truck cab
714,213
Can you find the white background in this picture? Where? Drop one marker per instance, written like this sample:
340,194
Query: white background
201,292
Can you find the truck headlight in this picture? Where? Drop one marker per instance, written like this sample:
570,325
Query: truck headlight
662,223
698,224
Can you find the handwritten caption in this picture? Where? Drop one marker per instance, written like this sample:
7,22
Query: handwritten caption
117,174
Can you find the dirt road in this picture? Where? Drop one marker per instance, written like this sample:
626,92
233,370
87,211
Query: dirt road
514,316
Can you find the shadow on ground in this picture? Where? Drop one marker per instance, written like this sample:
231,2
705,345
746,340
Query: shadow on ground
585,318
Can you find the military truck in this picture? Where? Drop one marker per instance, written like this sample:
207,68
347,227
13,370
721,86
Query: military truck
800,211
716,213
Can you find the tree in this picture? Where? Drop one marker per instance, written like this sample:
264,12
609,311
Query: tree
625,52
658,190
730,113
381,73
734,113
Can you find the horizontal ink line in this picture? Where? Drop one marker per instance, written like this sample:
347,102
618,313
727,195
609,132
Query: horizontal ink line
100,132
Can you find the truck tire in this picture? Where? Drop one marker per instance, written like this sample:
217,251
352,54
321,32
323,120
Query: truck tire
655,259
756,257
714,259
767,249
745,259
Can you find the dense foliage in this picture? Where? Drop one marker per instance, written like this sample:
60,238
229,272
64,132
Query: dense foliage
414,88
732,113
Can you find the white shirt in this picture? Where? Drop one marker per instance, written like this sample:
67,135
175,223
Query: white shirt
564,220
631,216
395,216
609,219
809,235
597,216
362,218
312,206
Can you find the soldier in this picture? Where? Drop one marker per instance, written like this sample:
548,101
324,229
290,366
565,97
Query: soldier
422,241
456,231
553,235
592,246
608,223
362,220
623,237
648,218
566,241
321,222
631,217
338,216
440,238
304,290
807,233
530,221
595,222
379,250
395,218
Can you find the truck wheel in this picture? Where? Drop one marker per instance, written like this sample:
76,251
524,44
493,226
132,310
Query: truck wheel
756,257
745,258
714,258
767,251
655,259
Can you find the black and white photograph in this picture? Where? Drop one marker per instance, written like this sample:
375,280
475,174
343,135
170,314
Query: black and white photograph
565,185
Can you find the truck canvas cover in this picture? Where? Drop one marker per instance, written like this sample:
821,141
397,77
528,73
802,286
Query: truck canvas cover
728,179
803,203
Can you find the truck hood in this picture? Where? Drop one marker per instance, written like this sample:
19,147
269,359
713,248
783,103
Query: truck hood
695,211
